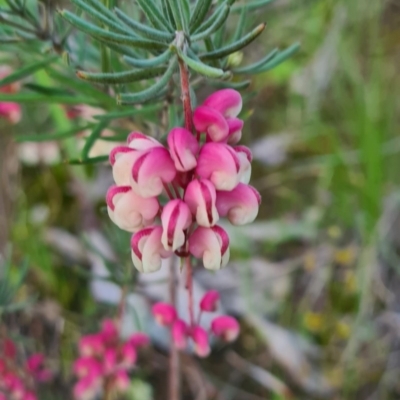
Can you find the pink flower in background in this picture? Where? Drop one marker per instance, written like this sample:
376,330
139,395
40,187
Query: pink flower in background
8,110
200,340
225,327
109,362
209,301
164,313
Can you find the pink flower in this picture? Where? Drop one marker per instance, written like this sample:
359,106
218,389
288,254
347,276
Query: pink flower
210,244
235,130
122,159
151,170
227,101
175,219
109,331
240,204
209,302
120,381
147,249
225,327
128,354
220,164
29,396
140,141
35,366
130,211
245,158
87,366
9,350
164,313
10,111
200,340
87,388
110,360
179,334
200,196
139,339
183,148
212,122
91,345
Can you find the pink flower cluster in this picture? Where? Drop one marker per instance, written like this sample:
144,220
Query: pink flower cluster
204,177
104,361
19,382
223,327
8,110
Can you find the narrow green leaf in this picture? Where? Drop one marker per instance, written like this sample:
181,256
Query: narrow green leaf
98,129
241,25
93,160
39,98
100,16
279,59
124,50
208,22
151,62
152,91
102,9
199,13
10,40
145,30
185,5
128,113
106,36
178,14
231,85
222,17
168,13
52,136
251,6
154,15
200,67
225,51
253,67
114,78
28,70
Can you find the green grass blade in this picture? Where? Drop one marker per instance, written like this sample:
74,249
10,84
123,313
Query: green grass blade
279,59
98,129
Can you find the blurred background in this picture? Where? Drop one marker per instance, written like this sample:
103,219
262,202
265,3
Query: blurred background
315,281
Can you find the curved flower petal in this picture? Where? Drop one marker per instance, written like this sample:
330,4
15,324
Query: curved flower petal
245,158
87,367
151,170
139,339
219,163
128,355
130,211
206,119
210,244
227,101
91,345
200,340
122,159
225,327
200,196
175,218
147,249
183,148
140,141
10,111
120,380
164,313
209,302
179,334
235,130
240,205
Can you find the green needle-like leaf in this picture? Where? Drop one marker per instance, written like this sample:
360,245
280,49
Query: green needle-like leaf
100,16
106,36
200,67
102,9
151,62
168,13
279,59
231,85
241,25
208,22
98,129
114,78
199,13
178,14
128,113
222,17
152,91
251,6
40,98
28,70
253,67
124,50
225,51
88,161
145,30
154,15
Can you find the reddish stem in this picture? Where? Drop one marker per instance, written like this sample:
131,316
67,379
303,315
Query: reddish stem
189,287
185,96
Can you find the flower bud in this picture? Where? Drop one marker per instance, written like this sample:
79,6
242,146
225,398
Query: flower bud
209,302
227,101
147,249
130,211
211,122
175,218
122,159
240,204
200,196
210,244
219,163
87,366
225,327
151,170
164,313
200,339
140,141
183,148
179,334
